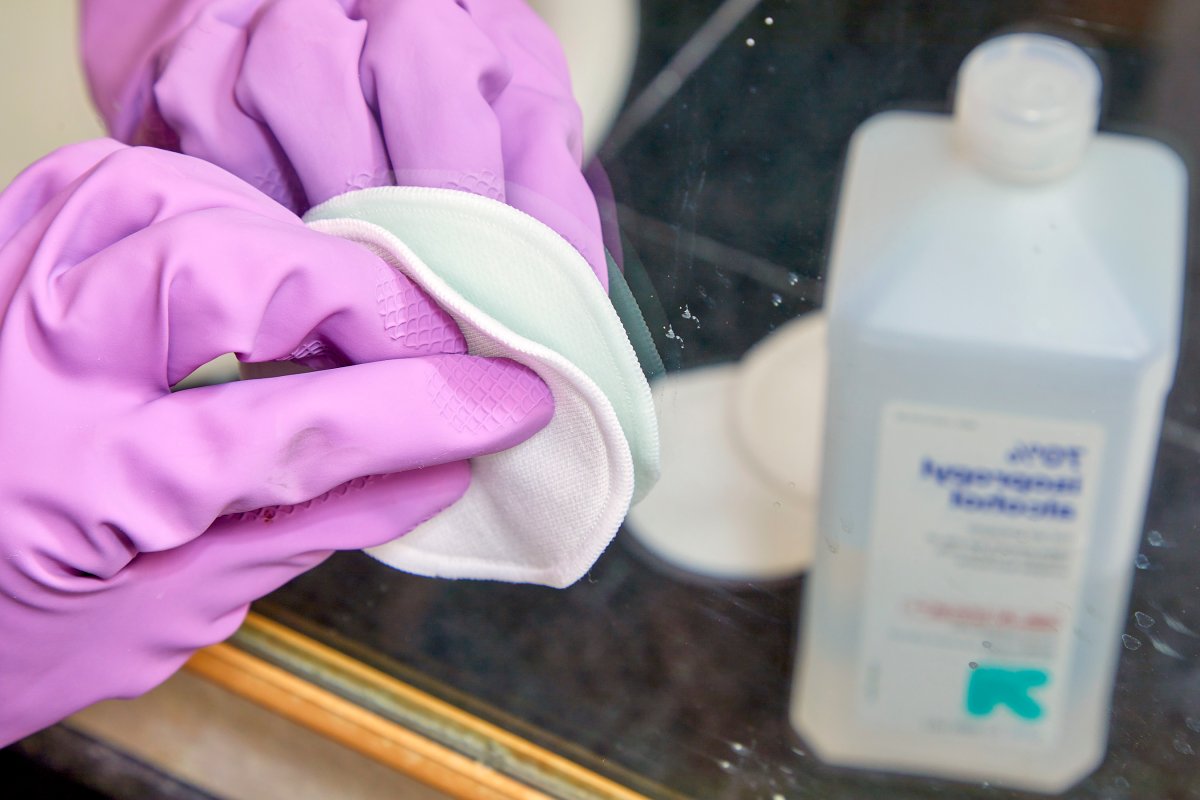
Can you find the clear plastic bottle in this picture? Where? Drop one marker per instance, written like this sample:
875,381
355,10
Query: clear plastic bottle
1004,315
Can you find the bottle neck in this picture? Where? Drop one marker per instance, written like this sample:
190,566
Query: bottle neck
1026,107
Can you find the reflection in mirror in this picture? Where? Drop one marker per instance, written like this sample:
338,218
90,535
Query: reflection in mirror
999,351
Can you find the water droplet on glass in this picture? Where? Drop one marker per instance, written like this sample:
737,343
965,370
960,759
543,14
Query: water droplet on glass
687,313
738,747
1130,642
792,485
776,300
750,42
769,21
973,664
1143,620
1142,561
725,765
777,795
1193,724
793,279
777,505
1182,746
987,645
1121,782
670,332
1154,539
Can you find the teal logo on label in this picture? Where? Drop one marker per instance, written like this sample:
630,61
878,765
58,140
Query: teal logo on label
990,687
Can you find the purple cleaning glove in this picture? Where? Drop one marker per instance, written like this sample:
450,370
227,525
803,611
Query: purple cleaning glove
136,525
308,99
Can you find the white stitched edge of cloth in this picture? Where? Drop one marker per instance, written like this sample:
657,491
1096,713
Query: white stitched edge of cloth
540,512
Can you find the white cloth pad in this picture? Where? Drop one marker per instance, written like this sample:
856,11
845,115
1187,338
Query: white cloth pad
543,511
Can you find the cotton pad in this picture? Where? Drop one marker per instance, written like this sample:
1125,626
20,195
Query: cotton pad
543,511
741,446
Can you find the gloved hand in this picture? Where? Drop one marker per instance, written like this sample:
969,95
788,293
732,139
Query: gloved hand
136,524
307,99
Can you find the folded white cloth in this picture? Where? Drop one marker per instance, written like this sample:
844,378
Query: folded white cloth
543,511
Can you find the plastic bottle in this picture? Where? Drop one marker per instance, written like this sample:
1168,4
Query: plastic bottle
1004,311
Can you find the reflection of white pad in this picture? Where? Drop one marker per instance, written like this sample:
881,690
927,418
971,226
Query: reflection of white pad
542,511
741,458
779,407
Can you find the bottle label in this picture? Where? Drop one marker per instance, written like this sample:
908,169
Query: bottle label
980,529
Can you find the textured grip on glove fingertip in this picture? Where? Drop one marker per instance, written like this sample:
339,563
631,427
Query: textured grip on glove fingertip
410,317
483,395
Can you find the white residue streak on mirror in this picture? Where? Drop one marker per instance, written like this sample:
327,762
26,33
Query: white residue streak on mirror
1163,647
1178,625
1145,622
720,24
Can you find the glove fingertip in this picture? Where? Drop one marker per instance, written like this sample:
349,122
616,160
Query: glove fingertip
495,401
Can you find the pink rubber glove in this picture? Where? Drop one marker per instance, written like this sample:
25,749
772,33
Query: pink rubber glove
128,525
307,99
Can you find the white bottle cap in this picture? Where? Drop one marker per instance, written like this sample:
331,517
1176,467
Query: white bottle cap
1027,105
